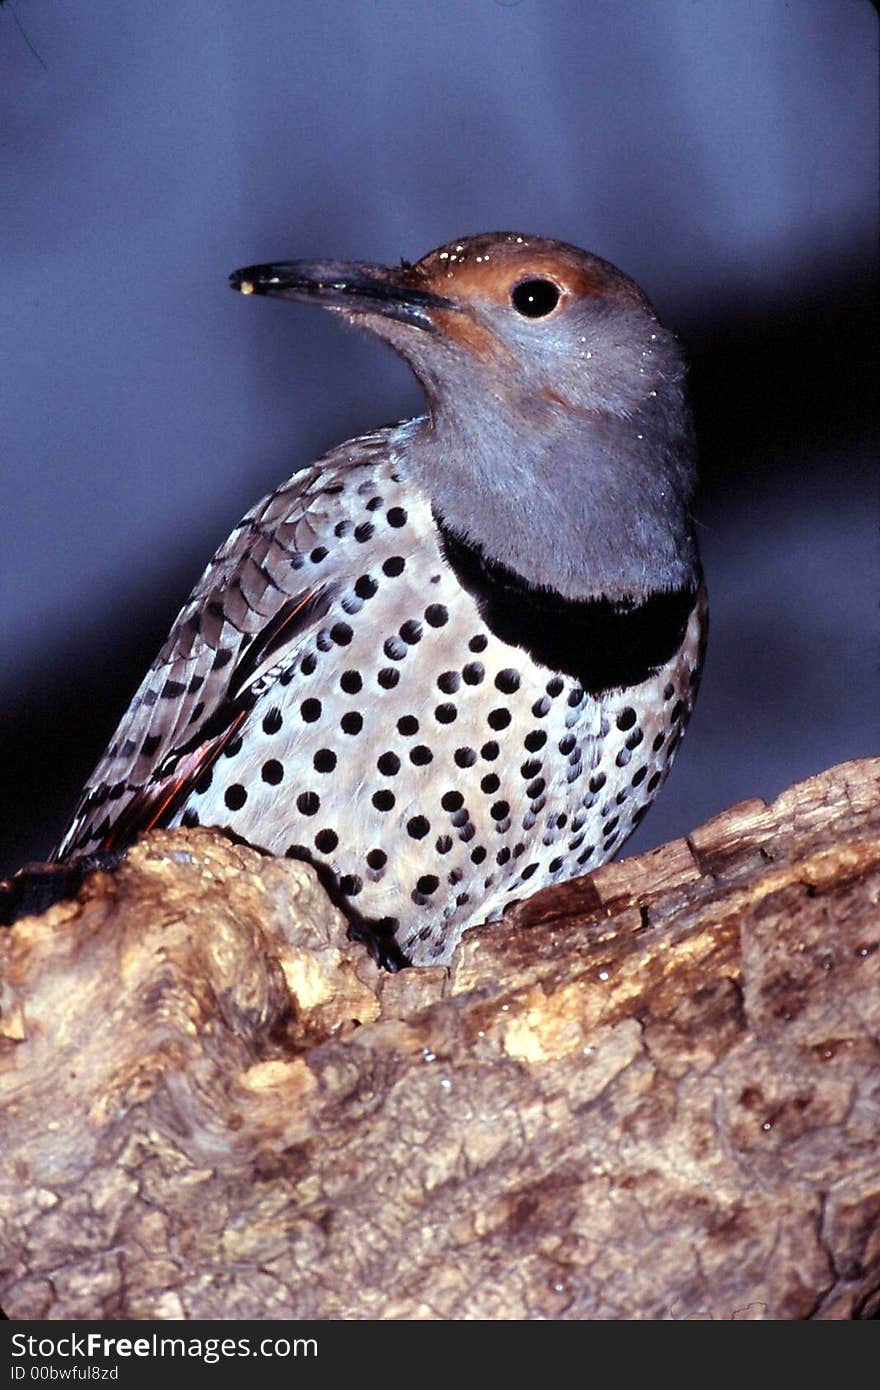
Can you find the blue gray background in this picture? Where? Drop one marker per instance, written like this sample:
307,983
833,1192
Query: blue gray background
722,152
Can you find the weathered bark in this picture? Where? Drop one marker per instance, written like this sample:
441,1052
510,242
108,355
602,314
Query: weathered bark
650,1093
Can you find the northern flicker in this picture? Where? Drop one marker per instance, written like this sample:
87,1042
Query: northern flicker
451,661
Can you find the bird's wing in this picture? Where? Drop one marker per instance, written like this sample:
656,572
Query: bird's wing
239,630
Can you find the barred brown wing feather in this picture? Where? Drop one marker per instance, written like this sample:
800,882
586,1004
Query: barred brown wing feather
242,613
175,762
248,612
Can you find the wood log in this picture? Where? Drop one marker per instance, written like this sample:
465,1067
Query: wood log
652,1092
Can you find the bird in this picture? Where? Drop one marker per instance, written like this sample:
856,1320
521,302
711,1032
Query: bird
450,662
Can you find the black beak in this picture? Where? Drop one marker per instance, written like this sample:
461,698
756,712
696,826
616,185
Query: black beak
349,285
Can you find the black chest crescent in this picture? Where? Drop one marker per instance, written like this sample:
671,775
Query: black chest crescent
603,644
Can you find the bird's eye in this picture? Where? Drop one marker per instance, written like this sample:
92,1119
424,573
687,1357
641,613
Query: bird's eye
534,299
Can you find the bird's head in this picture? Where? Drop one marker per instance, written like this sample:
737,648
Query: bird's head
558,430
517,321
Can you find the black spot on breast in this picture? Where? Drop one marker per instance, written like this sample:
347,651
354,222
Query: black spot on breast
272,721
394,648
507,681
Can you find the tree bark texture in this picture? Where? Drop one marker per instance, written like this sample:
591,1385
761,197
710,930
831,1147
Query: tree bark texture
653,1092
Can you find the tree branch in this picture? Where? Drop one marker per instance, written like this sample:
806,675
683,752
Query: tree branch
649,1093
